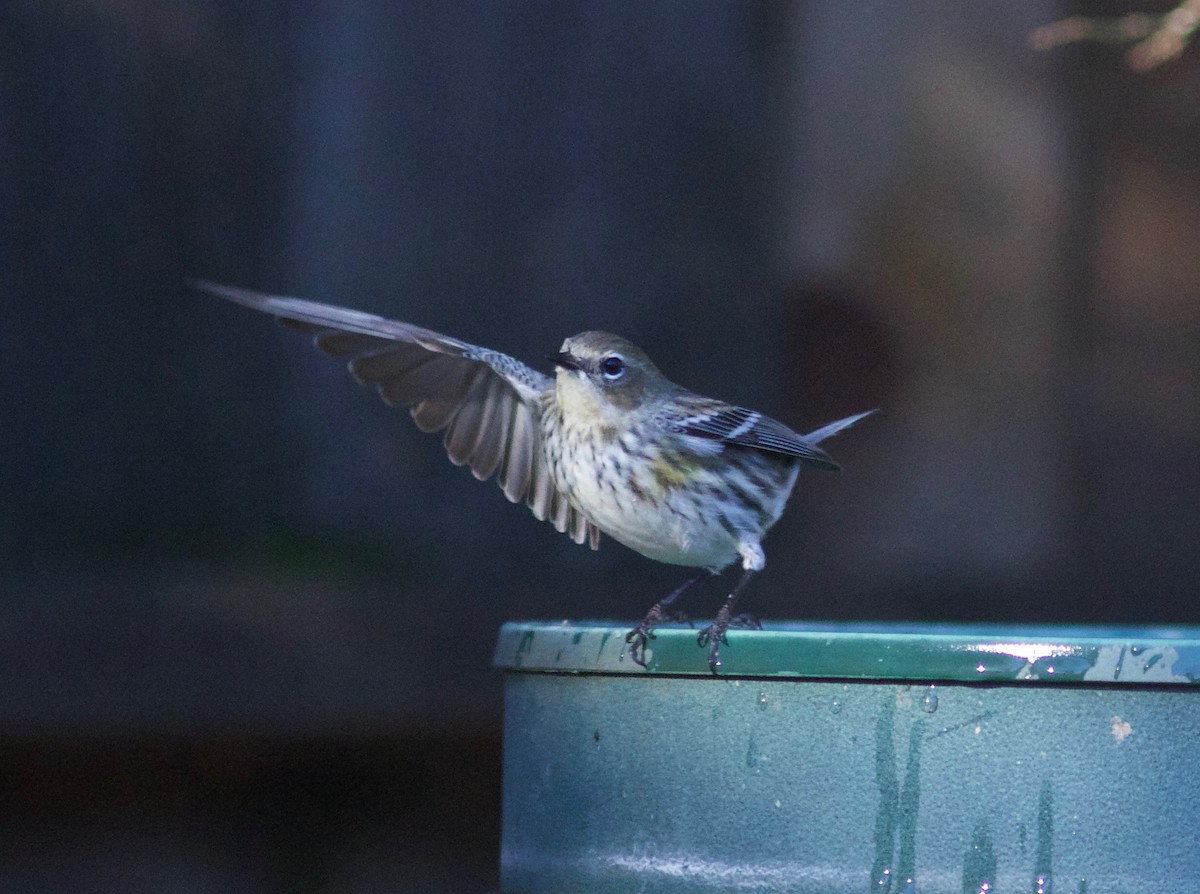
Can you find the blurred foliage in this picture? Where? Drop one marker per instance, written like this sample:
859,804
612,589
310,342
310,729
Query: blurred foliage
1155,37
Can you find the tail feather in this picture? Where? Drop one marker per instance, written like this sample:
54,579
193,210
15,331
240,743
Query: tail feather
826,431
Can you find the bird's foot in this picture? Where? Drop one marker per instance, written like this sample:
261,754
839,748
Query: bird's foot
713,636
746,621
637,639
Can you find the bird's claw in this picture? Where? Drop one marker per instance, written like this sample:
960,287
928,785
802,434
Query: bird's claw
746,621
637,639
714,637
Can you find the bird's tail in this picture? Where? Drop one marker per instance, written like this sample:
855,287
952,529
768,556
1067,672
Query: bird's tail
826,431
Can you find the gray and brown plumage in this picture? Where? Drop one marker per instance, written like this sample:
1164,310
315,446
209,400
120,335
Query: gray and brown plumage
608,445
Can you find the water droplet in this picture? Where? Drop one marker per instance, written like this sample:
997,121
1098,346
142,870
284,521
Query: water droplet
763,700
979,668
835,706
929,703
1050,669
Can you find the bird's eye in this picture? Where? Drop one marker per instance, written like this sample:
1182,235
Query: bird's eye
612,367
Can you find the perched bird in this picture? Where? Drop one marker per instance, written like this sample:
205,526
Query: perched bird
609,445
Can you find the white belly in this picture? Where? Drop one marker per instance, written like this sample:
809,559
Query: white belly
674,524
707,514
664,529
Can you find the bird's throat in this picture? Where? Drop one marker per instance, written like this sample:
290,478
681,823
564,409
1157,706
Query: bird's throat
581,403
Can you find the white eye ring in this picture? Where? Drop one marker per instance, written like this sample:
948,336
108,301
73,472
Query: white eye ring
612,367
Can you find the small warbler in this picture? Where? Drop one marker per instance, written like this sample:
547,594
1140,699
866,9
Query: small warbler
609,445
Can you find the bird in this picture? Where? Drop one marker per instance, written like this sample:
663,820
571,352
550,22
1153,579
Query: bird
606,446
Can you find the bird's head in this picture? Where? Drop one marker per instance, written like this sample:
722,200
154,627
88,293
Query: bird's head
600,374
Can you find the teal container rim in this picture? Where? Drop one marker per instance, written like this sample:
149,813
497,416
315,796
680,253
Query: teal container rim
926,652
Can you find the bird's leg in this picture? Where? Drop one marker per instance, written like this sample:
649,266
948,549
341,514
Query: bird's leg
640,636
714,634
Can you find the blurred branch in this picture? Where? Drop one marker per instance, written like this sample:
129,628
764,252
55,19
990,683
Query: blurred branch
1156,37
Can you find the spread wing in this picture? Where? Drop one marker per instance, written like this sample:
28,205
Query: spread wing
487,402
737,425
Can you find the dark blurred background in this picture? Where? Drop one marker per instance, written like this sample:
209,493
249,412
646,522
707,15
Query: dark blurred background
247,611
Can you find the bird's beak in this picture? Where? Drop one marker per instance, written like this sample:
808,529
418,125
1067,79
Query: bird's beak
565,360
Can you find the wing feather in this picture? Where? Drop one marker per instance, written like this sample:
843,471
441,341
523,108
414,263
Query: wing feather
489,436
541,487
560,513
439,388
463,429
341,344
516,466
487,402
499,431
747,428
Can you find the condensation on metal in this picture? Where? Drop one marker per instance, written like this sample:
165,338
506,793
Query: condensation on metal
1046,655
778,778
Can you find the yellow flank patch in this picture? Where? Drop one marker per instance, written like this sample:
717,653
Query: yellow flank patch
675,472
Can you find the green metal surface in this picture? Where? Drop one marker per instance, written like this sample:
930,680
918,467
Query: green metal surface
862,769
962,653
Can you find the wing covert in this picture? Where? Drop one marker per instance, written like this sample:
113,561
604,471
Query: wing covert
748,428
